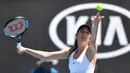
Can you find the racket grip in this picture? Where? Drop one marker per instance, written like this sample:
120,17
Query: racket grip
19,45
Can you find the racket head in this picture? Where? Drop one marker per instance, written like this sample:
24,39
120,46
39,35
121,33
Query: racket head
16,27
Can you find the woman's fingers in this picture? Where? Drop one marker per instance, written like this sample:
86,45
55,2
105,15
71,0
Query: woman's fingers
21,50
93,17
98,15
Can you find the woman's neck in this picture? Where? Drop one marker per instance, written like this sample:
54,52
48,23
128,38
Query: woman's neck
82,46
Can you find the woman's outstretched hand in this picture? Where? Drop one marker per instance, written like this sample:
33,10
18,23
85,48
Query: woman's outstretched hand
96,19
20,49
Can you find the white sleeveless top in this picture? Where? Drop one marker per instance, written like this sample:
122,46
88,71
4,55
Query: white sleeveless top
81,64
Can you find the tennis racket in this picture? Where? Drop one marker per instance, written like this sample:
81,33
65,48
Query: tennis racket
15,28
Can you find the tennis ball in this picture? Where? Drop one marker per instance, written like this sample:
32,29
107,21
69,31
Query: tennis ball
99,7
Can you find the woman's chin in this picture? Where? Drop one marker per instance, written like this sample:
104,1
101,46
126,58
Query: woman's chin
83,39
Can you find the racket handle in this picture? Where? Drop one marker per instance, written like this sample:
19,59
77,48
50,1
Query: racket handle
19,45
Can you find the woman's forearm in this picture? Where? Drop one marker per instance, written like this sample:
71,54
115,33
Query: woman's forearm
36,53
62,54
94,32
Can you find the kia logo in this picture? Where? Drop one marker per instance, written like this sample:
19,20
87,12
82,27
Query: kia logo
115,27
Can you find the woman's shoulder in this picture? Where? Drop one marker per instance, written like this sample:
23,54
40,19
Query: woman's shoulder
71,50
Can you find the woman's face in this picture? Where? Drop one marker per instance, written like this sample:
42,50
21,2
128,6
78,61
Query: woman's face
83,34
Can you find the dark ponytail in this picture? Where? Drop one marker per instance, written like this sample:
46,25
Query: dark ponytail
95,71
73,47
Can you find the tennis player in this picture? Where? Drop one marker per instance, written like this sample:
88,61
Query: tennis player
82,56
